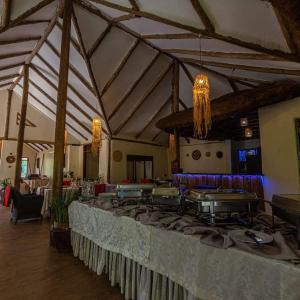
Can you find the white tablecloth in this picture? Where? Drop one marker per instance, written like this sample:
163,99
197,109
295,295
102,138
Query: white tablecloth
206,272
48,198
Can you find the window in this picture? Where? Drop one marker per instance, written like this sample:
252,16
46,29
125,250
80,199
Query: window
24,167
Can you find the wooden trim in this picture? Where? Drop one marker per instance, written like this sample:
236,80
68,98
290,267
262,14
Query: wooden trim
10,76
39,147
175,87
124,18
120,67
182,104
22,128
99,40
33,22
6,9
171,36
135,141
233,85
144,98
163,106
243,67
26,14
89,67
157,135
126,95
202,15
6,84
61,106
46,148
11,66
30,146
9,99
187,73
192,29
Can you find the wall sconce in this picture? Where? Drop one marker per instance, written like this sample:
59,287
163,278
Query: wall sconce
244,122
248,132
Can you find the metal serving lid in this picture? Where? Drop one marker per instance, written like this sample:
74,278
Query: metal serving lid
223,195
134,187
165,192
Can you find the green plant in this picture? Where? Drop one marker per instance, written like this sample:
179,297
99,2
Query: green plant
60,207
5,182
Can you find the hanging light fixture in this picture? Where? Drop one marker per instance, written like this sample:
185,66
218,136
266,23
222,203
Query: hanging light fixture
244,122
172,146
248,132
97,135
201,104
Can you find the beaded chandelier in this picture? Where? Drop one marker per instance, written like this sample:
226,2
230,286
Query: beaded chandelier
97,135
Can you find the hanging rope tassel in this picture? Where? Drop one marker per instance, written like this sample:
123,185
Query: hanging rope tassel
201,107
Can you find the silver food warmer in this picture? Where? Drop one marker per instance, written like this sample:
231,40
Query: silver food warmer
166,196
133,191
222,206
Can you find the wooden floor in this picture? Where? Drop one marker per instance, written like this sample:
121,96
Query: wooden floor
30,269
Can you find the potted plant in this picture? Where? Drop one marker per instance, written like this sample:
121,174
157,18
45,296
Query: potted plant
60,231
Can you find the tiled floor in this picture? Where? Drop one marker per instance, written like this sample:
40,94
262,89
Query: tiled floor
30,269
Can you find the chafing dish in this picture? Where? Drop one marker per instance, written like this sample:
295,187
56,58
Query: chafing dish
133,190
222,206
166,196
287,207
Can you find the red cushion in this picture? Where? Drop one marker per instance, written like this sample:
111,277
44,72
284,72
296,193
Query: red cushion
67,182
99,188
126,181
6,196
145,180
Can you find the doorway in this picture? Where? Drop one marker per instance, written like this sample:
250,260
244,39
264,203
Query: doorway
139,167
90,163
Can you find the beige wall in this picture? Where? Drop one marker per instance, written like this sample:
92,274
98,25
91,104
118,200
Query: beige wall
10,148
119,169
279,148
205,164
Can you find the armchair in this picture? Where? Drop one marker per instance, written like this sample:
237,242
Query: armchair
25,206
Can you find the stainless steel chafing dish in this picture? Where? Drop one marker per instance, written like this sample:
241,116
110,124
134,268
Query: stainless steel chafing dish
166,196
215,206
133,190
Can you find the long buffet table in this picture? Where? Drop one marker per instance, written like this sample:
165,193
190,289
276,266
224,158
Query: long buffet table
152,263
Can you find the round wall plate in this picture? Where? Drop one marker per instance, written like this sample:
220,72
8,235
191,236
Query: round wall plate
10,159
117,156
219,154
196,154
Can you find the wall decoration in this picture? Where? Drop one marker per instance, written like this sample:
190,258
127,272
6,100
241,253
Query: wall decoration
207,154
38,163
11,159
219,154
196,154
117,156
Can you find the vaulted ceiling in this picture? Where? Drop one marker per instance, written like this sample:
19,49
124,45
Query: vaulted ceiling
122,54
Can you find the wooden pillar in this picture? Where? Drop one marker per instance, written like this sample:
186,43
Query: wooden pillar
59,156
22,127
10,92
109,161
175,108
6,6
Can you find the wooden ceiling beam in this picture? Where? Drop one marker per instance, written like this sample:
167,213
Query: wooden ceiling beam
6,84
215,35
157,135
219,54
143,99
203,15
33,22
90,70
171,36
68,113
38,146
70,86
42,145
120,67
30,146
72,68
10,76
99,40
154,116
14,54
53,112
134,85
19,40
233,85
26,14
124,18
7,67
243,67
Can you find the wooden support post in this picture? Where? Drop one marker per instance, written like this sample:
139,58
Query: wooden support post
59,156
6,6
175,108
10,92
22,127
109,161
